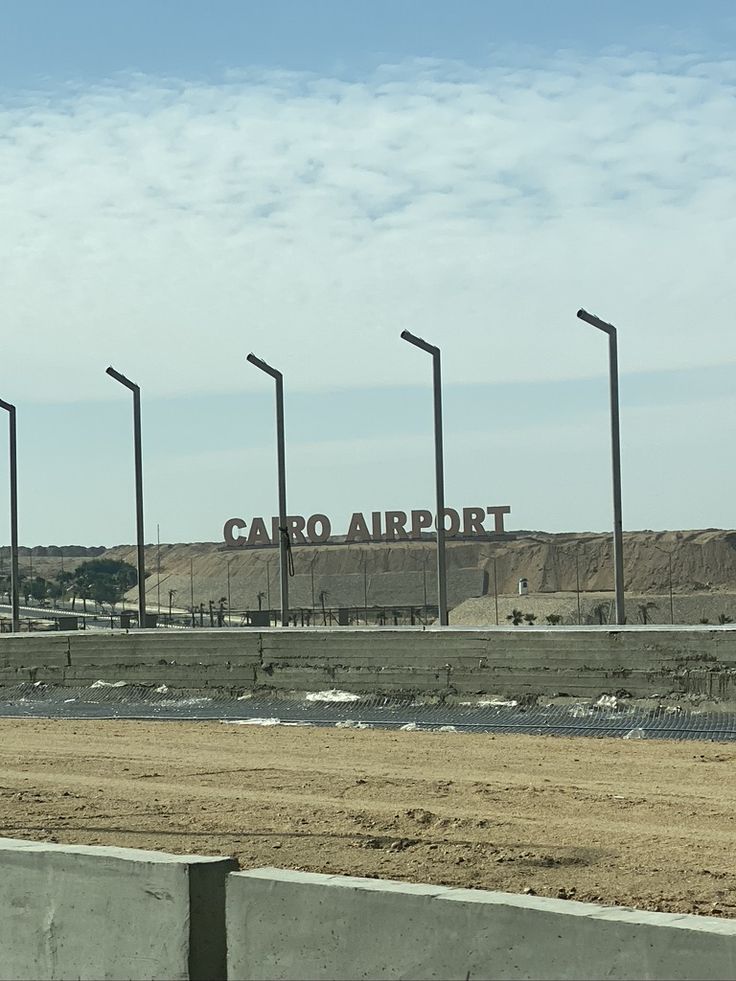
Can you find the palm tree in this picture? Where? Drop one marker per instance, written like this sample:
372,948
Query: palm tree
644,609
553,619
530,618
601,611
84,588
323,594
260,597
516,617
724,618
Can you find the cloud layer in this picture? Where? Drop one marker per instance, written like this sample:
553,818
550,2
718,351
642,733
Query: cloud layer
170,227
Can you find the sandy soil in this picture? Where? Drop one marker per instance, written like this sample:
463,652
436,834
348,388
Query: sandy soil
647,824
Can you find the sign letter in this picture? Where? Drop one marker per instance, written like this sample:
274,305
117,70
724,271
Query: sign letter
420,520
498,514
258,534
473,521
358,530
454,517
326,529
395,521
295,524
228,533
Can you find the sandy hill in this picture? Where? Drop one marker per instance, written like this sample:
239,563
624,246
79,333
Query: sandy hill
701,562
402,573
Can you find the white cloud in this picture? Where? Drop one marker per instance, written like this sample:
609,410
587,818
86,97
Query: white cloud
170,227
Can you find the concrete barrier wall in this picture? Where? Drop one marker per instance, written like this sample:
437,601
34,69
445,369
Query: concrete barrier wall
575,661
299,925
73,911
94,912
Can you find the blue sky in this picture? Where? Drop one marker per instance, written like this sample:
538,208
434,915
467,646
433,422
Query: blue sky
182,183
55,41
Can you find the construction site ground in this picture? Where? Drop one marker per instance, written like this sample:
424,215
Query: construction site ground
636,823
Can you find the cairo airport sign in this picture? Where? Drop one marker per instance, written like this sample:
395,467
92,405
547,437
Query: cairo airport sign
380,526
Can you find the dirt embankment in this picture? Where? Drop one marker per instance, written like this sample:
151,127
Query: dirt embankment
646,824
701,562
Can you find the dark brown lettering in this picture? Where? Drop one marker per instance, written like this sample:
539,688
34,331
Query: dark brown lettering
258,534
358,530
228,533
395,521
296,523
498,514
473,521
454,517
420,520
326,529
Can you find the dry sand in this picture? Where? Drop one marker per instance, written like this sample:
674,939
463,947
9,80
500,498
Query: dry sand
648,824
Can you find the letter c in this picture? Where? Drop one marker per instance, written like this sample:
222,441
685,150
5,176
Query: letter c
228,533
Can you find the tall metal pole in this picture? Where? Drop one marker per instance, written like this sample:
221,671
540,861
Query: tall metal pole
281,459
135,389
191,590
618,535
229,623
14,577
439,470
577,580
495,588
158,569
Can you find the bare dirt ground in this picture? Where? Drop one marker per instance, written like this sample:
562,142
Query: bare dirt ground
647,824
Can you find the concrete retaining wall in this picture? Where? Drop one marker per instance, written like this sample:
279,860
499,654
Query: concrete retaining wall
299,925
93,912
576,661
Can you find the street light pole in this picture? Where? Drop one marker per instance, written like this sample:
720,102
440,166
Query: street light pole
229,621
439,470
618,536
495,587
158,570
14,577
284,541
135,389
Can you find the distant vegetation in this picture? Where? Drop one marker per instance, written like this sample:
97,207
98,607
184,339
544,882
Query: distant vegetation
101,580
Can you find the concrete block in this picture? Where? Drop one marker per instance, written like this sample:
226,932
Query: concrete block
580,661
29,650
301,925
75,911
